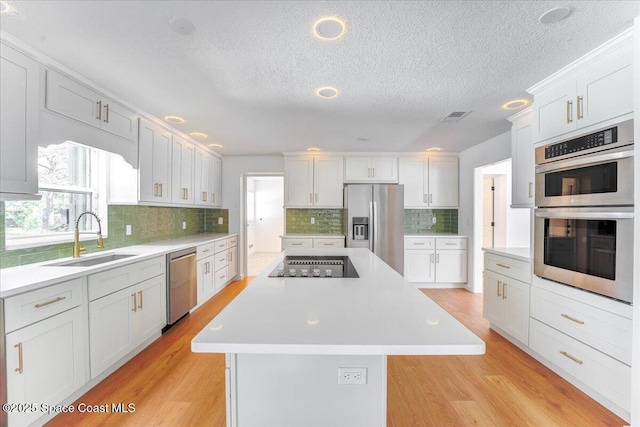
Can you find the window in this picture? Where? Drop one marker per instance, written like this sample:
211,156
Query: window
71,180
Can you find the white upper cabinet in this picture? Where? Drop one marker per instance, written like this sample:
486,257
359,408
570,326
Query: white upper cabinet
74,100
19,125
522,161
596,88
313,181
182,165
429,182
202,178
371,169
216,182
154,163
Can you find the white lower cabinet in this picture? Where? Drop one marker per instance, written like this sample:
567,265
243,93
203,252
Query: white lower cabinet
506,304
217,266
232,258
312,242
46,362
435,260
205,279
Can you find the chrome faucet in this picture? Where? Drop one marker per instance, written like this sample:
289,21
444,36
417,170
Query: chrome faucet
77,249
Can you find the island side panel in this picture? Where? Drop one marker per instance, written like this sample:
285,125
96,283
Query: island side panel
294,390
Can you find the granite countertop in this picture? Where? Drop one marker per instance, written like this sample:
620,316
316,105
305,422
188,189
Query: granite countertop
522,254
379,313
17,280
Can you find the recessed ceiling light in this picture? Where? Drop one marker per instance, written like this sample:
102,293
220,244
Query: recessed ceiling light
174,119
5,7
327,92
199,135
329,28
182,26
515,104
313,149
554,15
434,149
215,145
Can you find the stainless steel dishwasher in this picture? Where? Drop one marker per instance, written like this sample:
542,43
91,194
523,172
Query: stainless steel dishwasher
182,278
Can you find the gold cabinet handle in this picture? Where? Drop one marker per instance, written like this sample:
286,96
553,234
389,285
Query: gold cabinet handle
569,111
424,198
53,301
316,197
430,198
296,244
530,189
503,266
155,189
106,116
451,244
204,196
504,290
418,243
579,107
498,288
99,116
213,197
20,368
573,319
431,258
221,277
135,303
140,306
230,256
575,359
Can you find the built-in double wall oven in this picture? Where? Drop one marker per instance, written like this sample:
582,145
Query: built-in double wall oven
583,230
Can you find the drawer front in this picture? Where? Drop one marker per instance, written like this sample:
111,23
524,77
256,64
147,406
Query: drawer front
110,281
221,245
233,241
204,251
608,376
419,243
296,243
221,278
221,260
334,242
25,309
451,243
602,330
509,267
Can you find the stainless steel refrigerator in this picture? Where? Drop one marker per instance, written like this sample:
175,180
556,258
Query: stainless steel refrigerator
374,219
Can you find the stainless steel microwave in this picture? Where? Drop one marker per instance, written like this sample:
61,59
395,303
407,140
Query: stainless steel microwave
588,248
592,170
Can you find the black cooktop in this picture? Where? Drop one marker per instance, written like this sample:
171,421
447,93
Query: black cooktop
315,266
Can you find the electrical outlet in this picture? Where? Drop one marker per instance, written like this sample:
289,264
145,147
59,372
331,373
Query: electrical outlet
352,376
220,220
128,230
313,220
184,225
433,220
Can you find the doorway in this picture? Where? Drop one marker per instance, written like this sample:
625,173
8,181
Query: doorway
264,221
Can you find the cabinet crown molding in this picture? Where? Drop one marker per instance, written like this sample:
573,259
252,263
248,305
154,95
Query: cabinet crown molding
358,154
578,66
520,114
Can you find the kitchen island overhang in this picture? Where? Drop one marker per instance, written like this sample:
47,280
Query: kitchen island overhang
288,342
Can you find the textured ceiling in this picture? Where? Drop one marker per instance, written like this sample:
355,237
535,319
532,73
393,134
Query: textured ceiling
247,75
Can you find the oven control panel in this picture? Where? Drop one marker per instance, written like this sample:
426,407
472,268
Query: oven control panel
586,142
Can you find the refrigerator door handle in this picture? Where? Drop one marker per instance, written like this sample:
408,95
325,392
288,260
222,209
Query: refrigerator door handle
375,227
372,224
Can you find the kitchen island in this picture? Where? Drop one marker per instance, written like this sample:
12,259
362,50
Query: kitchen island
312,351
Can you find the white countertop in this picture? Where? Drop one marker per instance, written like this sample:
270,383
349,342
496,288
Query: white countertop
17,280
434,235
523,254
379,313
311,235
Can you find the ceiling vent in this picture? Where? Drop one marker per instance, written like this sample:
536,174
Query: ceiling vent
454,116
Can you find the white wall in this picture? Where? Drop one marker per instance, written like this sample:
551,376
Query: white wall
486,153
269,211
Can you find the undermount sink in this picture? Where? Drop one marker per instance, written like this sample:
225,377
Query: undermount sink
86,262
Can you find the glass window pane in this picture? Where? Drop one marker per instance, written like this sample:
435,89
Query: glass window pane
64,164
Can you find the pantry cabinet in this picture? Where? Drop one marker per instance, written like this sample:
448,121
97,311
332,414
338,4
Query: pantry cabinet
69,98
313,181
216,182
46,346
383,169
154,163
429,182
522,161
19,129
592,90
182,171
202,178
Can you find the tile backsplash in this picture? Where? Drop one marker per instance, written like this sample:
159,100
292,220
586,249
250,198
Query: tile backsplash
326,221
421,221
148,224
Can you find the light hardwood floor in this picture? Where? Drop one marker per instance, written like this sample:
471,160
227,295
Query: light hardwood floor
171,386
